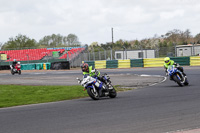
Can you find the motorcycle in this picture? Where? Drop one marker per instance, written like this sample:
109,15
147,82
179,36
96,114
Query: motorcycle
91,83
177,76
16,69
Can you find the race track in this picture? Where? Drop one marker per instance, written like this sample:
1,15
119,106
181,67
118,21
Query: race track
164,107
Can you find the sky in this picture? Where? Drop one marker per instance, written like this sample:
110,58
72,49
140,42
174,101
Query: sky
92,20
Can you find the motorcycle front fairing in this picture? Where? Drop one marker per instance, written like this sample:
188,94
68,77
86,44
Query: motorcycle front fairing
172,70
90,82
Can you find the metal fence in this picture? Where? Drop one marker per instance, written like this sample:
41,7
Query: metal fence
126,54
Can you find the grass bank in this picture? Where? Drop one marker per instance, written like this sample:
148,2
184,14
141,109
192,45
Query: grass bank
13,95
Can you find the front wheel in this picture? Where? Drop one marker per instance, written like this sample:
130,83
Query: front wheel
177,80
113,93
19,72
12,72
186,82
94,95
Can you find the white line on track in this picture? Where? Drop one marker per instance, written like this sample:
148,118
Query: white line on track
145,75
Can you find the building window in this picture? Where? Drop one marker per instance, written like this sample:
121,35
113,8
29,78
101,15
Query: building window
140,54
119,55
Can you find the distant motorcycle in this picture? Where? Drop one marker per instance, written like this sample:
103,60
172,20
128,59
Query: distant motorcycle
94,92
16,69
177,76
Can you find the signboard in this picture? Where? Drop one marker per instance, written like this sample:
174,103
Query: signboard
3,56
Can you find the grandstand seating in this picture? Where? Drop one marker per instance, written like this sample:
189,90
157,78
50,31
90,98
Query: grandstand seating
38,54
28,54
72,52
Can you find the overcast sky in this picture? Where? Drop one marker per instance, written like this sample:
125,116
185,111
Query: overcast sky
92,20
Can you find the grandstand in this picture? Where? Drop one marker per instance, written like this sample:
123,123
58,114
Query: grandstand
40,54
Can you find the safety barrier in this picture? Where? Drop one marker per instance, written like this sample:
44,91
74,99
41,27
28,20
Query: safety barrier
124,63
137,63
90,63
195,61
37,66
28,66
183,61
100,64
112,64
153,62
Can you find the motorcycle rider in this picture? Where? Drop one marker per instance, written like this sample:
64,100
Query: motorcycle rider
168,62
91,71
14,63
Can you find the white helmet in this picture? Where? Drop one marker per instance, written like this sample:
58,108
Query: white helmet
18,62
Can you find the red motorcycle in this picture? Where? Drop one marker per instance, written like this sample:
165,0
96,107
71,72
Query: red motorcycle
16,69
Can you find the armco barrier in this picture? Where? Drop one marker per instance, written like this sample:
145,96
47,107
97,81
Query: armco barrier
124,63
195,61
183,61
137,63
153,62
100,64
112,64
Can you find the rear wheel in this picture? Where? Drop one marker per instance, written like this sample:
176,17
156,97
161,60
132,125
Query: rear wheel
92,94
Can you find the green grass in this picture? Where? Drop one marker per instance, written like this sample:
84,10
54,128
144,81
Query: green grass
14,95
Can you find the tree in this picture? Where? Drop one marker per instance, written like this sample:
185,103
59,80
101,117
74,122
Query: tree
51,40
72,39
1,44
59,40
20,42
197,38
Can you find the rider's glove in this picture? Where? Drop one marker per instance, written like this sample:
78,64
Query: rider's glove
93,71
79,81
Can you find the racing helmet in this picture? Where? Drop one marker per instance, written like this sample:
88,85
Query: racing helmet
85,67
167,60
14,60
18,63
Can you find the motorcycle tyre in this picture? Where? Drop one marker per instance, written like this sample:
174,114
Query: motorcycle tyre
12,72
177,80
186,82
19,72
112,93
90,93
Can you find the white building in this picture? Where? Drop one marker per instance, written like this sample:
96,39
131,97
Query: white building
187,50
134,54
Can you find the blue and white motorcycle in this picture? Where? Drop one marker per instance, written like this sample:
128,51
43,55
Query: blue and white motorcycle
177,75
98,88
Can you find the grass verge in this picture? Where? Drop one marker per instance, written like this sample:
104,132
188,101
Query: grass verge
14,95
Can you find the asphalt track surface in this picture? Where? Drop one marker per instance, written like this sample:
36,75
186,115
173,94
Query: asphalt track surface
163,107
